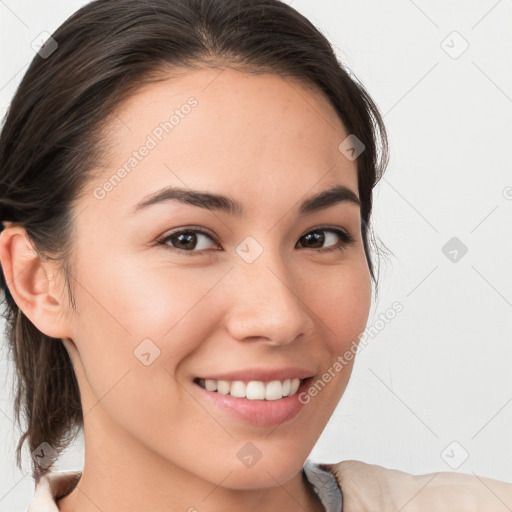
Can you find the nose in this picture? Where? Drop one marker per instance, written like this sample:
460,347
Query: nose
266,303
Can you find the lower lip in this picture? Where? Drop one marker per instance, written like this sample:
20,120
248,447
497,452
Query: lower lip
262,413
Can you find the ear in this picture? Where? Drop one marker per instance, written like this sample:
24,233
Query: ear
32,283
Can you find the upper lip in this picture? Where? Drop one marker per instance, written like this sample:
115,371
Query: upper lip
261,374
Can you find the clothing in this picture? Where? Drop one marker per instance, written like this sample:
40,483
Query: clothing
325,484
360,487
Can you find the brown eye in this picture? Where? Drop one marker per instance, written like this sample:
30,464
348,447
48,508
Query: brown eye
317,238
188,241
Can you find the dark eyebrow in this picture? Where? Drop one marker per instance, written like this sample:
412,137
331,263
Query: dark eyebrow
325,199
330,197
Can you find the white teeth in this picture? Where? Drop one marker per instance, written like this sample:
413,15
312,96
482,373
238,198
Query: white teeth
210,385
223,387
237,389
294,386
253,390
274,390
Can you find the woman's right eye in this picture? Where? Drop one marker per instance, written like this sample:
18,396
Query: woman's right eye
186,241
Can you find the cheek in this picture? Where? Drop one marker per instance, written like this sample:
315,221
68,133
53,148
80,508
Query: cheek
342,306
130,316
134,302
342,302
133,330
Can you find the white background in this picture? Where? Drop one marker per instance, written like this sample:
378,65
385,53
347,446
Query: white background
440,371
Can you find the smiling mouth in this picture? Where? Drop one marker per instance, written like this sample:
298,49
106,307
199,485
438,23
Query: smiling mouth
254,389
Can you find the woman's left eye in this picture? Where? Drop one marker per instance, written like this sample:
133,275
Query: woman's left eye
318,238
194,241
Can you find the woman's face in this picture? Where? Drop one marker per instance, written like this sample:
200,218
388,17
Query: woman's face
262,291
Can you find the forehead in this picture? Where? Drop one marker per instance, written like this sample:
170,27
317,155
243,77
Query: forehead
222,128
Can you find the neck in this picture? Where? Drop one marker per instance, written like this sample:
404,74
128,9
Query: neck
122,474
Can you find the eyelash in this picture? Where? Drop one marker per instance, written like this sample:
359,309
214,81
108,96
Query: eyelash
346,238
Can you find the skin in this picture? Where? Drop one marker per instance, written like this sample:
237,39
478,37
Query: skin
152,441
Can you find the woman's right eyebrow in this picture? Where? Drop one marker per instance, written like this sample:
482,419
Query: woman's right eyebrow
218,202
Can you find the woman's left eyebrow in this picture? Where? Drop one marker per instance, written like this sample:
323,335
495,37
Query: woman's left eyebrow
217,202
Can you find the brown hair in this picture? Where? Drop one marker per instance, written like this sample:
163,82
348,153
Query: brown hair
50,143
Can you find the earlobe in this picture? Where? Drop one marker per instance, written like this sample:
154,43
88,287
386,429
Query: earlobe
31,282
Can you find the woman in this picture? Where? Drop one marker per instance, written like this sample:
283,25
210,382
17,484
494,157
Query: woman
168,291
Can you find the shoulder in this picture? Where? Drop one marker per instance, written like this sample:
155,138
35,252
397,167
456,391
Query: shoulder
368,487
50,488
